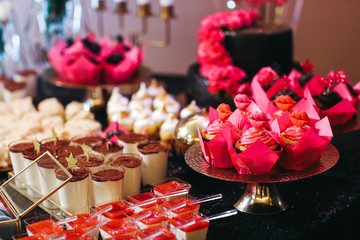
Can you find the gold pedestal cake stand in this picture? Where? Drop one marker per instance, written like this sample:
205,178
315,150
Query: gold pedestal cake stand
260,195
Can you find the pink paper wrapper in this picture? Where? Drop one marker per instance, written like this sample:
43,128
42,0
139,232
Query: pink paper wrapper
216,151
56,57
121,72
83,71
258,159
308,149
340,113
344,92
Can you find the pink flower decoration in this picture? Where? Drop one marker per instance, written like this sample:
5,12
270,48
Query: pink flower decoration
266,75
258,119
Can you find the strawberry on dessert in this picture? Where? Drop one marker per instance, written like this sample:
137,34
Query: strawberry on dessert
188,208
172,188
119,210
197,230
156,233
47,228
117,227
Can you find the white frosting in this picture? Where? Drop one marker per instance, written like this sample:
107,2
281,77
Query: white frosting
144,120
154,88
190,109
166,3
173,106
117,102
160,99
159,115
169,124
136,113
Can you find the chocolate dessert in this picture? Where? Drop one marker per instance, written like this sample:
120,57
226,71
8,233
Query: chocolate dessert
46,162
126,160
89,141
64,151
51,145
13,86
107,148
133,137
78,174
151,147
32,154
327,99
93,161
21,146
107,175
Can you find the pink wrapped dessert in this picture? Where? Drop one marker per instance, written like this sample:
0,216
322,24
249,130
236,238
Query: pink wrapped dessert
212,140
303,140
81,61
256,151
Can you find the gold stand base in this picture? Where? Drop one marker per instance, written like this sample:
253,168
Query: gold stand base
94,99
260,199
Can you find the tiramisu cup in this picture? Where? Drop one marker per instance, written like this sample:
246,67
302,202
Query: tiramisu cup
91,161
2,80
13,90
30,78
17,160
107,149
108,184
155,158
51,144
89,141
32,173
131,140
64,151
74,195
47,179
132,165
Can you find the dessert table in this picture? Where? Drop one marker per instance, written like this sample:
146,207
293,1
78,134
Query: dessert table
323,206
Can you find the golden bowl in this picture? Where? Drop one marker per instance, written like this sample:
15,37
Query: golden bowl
186,133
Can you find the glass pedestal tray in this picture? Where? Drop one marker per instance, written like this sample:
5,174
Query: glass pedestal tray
21,187
94,98
260,195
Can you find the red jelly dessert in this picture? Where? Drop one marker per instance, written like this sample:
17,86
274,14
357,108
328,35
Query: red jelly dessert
75,234
117,227
157,217
34,237
84,221
124,237
119,210
165,234
46,227
197,230
145,197
189,207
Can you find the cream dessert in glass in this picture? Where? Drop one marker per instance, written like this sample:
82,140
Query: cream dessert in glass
155,159
85,221
16,156
107,149
144,200
64,151
13,90
157,232
90,161
47,228
28,76
89,141
191,206
132,165
108,184
131,140
47,179
32,173
156,218
51,144
74,195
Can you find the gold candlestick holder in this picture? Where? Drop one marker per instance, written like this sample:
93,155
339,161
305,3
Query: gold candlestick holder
144,13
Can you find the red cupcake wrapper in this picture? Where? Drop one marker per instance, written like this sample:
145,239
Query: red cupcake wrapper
83,71
121,72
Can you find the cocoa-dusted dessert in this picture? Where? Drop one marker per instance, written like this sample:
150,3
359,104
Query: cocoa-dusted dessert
13,90
132,165
155,158
107,149
15,151
131,140
47,179
87,140
89,161
64,151
74,195
327,99
108,183
29,77
51,144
